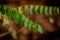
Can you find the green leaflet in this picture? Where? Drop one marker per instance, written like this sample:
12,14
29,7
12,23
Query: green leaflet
13,14
22,19
17,18
37,9
40,29
56,10
27,9
46,10
35,27
26,22
21,10
42,9
20,22
8,11
31,25
3,9
51,10
32,9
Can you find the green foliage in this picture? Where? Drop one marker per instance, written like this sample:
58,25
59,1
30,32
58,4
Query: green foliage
22,19
55,10
32,9
37,9
31,25
46,10
8,11
26,22
19,18
13,14
42,10
21,10
40,28
35,27
51,10
26,9
3,9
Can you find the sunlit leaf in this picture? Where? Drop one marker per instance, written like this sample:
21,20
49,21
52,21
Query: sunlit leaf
17,19
22,19
27,9
32,9
51,10
42,9
55,10
8,11
46,10
35,27
20,9
37,9
31,25
13,14
26,22
40,29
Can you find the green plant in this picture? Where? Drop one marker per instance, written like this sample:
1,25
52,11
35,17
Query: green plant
19,18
